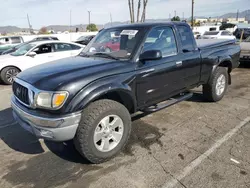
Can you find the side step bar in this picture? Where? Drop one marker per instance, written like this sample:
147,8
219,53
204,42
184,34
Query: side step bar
170,102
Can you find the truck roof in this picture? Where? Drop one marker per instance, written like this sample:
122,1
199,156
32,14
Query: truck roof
149,24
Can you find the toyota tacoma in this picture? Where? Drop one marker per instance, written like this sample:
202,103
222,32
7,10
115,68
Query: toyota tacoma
90,98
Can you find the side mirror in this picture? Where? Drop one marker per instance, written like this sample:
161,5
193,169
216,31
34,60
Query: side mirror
31,54
150,55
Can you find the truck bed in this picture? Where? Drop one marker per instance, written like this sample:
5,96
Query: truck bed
213,43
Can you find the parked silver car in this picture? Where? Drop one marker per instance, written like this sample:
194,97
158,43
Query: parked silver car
8,42
245,50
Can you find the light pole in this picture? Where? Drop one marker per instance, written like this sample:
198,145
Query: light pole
111,21
192,19
89,16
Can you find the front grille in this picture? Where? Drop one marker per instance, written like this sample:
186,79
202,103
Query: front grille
21,92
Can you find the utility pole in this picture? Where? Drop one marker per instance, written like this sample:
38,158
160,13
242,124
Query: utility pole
192,17
111,22
70,24
175,13
183,16
170,16
30,27
89,16
70,20
237,15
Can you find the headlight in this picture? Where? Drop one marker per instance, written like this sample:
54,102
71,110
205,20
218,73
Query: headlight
51,99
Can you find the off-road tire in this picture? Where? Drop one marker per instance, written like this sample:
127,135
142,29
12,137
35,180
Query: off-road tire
91,116
3,74
209,89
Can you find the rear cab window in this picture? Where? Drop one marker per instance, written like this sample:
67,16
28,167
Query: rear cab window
186,38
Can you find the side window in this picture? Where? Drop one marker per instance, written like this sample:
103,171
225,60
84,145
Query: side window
225,33
16,40
43,49
75,47
161,38
186,37
60,47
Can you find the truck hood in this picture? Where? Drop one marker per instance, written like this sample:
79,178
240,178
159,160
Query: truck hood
73,73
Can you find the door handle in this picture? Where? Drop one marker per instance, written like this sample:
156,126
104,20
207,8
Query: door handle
178,63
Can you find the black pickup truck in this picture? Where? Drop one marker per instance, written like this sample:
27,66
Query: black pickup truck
90,98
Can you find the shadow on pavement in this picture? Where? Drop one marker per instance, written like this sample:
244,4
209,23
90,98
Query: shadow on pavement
15,136
66,151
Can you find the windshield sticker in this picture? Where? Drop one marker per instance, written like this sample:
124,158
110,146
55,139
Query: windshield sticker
129,32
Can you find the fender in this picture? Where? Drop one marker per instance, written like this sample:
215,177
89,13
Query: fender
121,84
225,61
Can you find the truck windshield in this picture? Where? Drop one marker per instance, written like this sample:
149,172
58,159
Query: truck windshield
23,50
211,33
118,43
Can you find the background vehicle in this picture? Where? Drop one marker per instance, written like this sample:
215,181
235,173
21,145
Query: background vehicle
84,40
197,35
32,54
8,42
238,33
90,98
245,51
218,35
13,49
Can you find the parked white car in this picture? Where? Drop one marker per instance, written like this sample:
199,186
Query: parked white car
218,35
35,53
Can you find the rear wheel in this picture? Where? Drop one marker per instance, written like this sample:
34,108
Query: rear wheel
103,131
8,74
216,88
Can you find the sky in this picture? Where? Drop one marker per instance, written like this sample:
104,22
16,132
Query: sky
57,12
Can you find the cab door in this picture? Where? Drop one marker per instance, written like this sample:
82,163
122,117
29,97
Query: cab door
189,57
159,79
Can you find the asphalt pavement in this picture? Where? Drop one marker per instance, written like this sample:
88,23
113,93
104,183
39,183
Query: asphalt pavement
191,144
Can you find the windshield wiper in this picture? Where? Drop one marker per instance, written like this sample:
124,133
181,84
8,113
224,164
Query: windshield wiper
105,55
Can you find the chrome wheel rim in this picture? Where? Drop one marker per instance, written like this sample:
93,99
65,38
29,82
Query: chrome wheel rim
220,85
108,133
11,74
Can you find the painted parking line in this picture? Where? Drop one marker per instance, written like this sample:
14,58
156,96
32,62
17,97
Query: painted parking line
188,169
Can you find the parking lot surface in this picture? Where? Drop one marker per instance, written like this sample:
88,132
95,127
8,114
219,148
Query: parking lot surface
191,144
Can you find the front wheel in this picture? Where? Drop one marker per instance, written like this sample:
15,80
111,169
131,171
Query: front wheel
103,131
216,88
8,75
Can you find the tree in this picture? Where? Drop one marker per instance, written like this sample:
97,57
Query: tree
92,27
139,7
176,19
43,30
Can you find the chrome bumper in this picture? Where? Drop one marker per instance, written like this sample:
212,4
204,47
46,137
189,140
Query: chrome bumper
57,128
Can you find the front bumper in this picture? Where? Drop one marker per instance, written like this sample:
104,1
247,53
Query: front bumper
56,128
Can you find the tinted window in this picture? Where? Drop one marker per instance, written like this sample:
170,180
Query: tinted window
75,47
225,33
187,38
211,33
60,47
45,48
16,40
163,39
